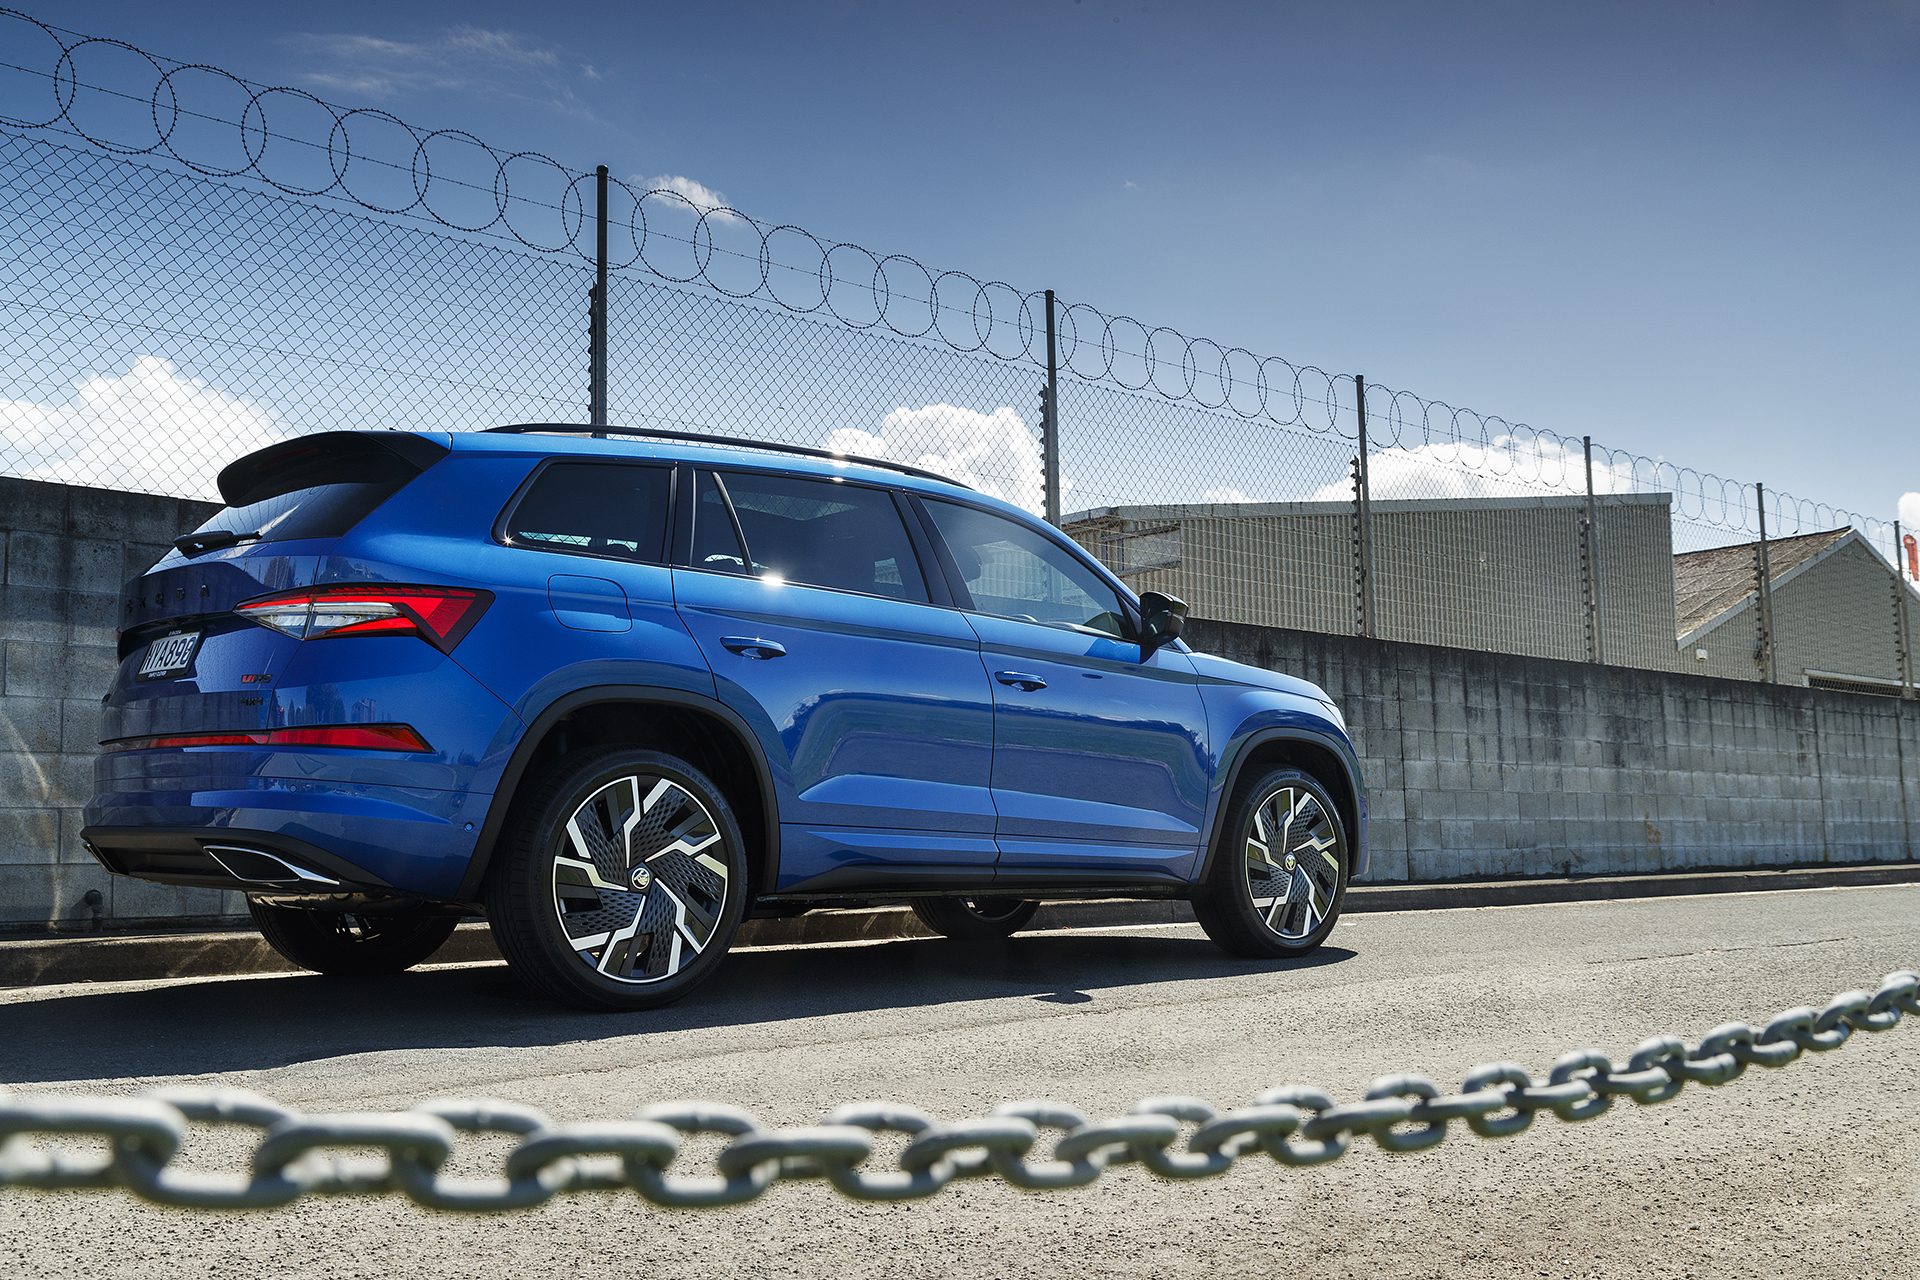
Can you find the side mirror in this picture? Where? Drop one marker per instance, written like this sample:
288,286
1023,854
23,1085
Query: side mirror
1161,617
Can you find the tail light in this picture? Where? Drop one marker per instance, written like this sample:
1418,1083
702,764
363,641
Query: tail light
438,615
364,737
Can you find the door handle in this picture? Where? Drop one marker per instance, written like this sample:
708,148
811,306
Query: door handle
1020,680
754,647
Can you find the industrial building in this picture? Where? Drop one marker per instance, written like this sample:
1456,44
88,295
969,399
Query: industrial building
1515,574
1836,612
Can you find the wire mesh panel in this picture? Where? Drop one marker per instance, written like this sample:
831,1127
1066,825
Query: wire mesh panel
1248,519
198,265
682,359
160,323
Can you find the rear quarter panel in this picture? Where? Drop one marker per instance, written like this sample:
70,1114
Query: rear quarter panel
522,649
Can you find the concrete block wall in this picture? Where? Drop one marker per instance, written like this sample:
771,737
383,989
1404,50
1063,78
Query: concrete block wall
1478,764
1482,764
65,554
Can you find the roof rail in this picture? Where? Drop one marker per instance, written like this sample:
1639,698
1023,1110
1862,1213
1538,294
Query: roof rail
732,442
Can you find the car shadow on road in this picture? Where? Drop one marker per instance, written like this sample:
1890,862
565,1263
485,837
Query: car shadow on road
240,1024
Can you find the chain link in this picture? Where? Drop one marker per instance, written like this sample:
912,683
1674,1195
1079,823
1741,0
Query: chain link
406,1152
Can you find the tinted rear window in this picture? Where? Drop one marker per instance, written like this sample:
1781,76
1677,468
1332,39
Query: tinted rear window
329,494
603,509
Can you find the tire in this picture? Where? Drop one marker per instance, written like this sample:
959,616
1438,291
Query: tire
974,918
349,945
649,911
1264,902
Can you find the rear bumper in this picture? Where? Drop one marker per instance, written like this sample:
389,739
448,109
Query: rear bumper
226,858
229,833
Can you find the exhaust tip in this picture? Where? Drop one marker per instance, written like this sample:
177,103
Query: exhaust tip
256,866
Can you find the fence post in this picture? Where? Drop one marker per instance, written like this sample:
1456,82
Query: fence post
1363,516
1900,633
1763,656
1050,422
1590,552
597,306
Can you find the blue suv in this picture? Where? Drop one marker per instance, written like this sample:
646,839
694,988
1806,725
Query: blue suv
621,689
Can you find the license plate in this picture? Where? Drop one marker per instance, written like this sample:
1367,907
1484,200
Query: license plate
170,655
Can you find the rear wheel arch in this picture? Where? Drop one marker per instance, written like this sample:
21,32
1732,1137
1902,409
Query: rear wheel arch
700,730
1275,748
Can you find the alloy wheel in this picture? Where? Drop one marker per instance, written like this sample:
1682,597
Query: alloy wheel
1294,861
640,881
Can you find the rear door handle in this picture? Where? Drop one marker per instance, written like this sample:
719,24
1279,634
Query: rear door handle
1020,680
754,647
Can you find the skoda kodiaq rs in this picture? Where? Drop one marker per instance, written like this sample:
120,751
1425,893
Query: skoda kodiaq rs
619,690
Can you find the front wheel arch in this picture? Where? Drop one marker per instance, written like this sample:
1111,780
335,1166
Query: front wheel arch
1295,749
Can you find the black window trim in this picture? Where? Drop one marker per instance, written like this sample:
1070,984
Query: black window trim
525,487
963,598
932,577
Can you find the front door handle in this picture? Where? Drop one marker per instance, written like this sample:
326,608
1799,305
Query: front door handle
754,647
1020,680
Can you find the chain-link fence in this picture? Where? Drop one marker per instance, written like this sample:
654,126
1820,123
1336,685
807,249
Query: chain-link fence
198,265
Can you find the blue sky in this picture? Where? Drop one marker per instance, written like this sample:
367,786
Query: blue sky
1684,228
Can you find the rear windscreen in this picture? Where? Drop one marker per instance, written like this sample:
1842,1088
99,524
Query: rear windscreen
321,494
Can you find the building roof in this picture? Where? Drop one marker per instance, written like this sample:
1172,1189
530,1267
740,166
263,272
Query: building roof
1708,584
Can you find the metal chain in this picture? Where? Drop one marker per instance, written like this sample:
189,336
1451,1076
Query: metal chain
1173,1137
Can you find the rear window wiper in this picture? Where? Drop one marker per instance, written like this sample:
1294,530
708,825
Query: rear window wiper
193,544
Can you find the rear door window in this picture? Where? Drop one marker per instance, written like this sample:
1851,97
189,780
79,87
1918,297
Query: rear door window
716,543
825,533
595,508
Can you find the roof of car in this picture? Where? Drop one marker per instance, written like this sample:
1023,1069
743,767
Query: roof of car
574,440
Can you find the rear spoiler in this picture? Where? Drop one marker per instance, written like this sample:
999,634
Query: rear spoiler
318,458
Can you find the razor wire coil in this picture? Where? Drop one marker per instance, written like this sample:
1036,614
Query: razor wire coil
542,204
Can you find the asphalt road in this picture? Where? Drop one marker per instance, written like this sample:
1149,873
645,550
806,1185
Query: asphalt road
1812,1169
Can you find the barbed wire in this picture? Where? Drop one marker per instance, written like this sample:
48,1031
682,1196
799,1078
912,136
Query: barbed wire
1175,1138
223,126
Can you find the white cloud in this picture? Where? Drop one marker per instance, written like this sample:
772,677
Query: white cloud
1226,493
698,194
458,59
1506,467
150,429
996,452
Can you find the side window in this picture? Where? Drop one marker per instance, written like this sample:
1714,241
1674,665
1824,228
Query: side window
605,509
716,544
1015,572
823,533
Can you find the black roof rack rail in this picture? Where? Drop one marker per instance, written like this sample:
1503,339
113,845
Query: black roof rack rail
732,442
